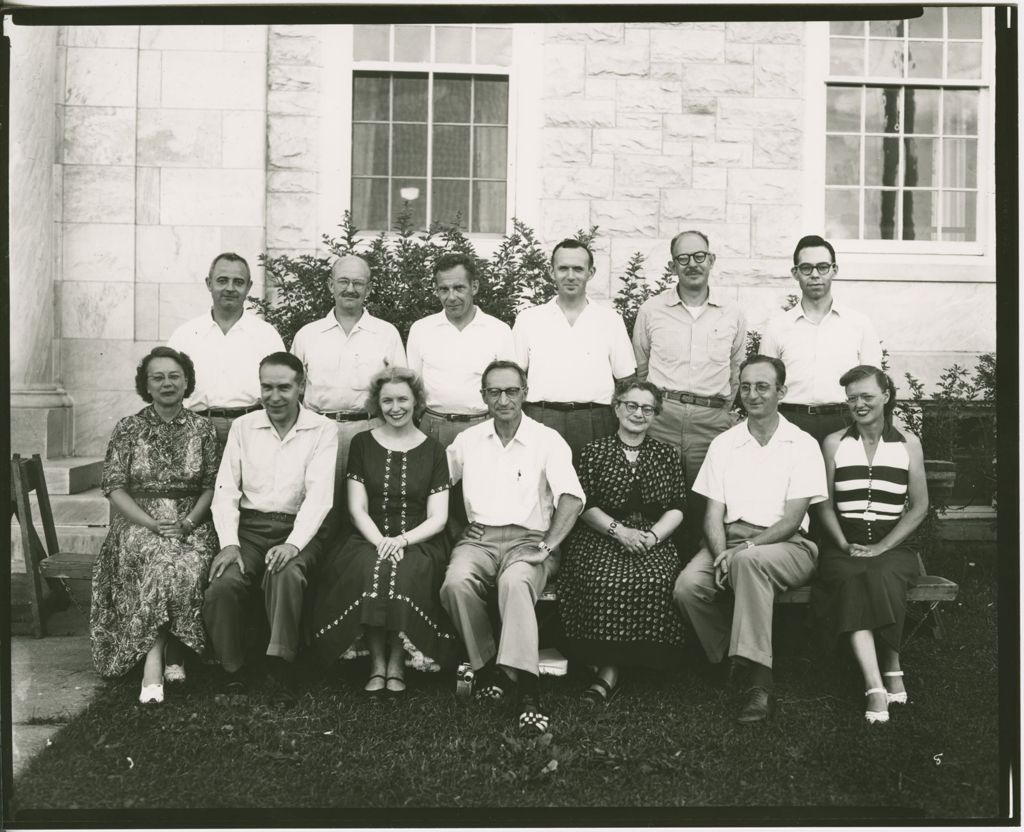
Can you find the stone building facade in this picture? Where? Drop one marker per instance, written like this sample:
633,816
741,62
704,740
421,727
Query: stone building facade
137,153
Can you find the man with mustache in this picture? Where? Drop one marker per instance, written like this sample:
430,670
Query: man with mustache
226,345
450,349
689,341
341,352
818,341
574,351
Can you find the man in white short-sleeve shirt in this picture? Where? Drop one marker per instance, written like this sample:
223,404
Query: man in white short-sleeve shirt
226,345
759,479
819,340
522,497
574,351
450,349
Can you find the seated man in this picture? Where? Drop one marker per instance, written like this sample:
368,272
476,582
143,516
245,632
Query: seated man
274,490
522,497
759,478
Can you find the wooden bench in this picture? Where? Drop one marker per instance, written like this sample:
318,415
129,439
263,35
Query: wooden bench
43,560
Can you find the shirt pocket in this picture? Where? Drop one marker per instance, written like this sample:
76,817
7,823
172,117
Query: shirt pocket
670,345
720,345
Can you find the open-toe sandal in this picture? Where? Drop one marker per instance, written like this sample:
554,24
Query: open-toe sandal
493,687
874,717
600,692
895,698
531,718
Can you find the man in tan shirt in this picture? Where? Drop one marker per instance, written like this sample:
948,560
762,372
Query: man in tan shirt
690,341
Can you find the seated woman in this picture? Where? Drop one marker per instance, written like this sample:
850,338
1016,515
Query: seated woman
147,588
877,485
616,581
379,590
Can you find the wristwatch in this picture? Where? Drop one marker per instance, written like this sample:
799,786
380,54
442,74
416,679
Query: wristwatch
544,546
750,544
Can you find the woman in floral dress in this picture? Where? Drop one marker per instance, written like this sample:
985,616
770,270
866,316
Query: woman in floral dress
379,591
147,589
615,585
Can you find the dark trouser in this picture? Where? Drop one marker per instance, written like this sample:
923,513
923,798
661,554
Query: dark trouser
576,427
818,425
226,603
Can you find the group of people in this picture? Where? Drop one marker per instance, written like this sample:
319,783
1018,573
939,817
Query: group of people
379,498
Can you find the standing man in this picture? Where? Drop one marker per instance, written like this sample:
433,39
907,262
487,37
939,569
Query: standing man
274,489
759,478
690,341
226,345
574,352
342,351
522,497
818,341
450,350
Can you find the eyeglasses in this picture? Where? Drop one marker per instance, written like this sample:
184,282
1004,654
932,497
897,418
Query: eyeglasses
761,387
495,393
172,377
697,257
633,407
344,283
807,269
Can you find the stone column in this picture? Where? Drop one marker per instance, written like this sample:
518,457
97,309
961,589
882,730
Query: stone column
41,415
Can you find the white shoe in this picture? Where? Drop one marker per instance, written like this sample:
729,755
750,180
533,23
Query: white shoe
151,693
895,698
174,673
875,716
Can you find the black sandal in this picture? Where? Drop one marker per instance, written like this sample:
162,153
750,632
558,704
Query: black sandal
494,687
531,717
600,692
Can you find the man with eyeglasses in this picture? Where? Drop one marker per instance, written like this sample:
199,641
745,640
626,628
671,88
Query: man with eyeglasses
226,345
522,497
759,479
819,340
574,351
450,350
341,352
689,341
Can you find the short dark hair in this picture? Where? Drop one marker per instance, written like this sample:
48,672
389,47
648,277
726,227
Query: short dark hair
780,368
183,361
230,257
813,241
885,384
570,243
285,359
396,375
502,364
701,234
624,386
452,260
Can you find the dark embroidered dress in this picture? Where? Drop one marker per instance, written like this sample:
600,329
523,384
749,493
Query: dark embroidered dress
616,607
851,593
142,581
358,588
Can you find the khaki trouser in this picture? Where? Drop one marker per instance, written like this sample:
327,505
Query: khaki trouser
445,430
741,621
476,567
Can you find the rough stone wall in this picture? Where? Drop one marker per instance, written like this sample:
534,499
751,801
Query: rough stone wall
163,149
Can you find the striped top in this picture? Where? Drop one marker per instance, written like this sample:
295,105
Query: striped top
876,491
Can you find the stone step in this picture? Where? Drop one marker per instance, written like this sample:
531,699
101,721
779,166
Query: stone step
970,523
86,539
87,508
72,474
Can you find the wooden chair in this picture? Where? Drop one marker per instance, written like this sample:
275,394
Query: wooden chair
42,561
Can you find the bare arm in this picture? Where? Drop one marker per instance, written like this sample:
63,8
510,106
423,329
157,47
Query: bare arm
825,511
126,505
567,510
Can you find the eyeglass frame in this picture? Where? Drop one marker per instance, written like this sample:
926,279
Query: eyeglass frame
691,255
632,407
509,393
815,267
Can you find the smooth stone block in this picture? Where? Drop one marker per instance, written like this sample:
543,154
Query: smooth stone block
245,39
123,37
99,193
250,243
47,431
179,138
98,252
244,139
147,311
100,77
147,196
175,254
150,68
211,197
178,303
97,310
214,80
97,411
187,38
99,364
99,136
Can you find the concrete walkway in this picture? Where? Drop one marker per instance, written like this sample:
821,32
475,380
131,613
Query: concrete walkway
52,680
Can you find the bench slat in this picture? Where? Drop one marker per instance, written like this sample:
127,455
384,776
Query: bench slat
71,565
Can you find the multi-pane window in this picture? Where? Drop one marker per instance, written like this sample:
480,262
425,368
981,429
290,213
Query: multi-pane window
436,138
902,127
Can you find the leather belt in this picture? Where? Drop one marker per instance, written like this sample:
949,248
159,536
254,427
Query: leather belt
280,516
690,398
229,412
813,409
347,415
568,405
456,417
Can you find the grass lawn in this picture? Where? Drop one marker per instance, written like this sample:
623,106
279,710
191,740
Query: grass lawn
667,741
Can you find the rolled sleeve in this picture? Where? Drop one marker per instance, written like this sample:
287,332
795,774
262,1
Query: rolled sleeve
227,492
319,482
623,360
808,476
710,481
455,456
414,354
560,474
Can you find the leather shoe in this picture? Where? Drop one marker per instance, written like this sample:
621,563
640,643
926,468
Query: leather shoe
760,705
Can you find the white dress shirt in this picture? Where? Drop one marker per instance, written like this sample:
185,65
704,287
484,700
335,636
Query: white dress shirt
451,360
262,471
339,366
515,484
572,363
817,355
754,482
227,363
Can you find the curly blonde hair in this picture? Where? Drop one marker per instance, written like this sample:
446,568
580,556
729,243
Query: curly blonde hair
396,375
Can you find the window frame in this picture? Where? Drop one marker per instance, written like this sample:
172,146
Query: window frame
818,79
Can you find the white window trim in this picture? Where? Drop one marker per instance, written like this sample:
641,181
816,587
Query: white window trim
901,259
524,75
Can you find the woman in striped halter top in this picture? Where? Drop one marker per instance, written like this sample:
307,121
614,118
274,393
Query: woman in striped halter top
878,499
